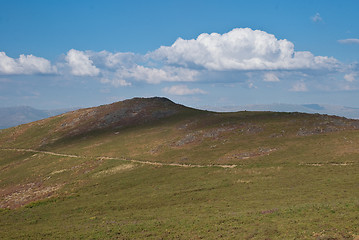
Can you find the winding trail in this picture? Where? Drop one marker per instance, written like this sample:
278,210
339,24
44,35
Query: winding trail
122,159
39,151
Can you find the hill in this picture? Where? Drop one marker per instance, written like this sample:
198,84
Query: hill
147,168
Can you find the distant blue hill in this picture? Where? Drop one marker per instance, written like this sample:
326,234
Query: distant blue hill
314,106
348,112
13,116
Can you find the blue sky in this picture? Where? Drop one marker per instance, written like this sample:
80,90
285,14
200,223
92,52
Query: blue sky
59,54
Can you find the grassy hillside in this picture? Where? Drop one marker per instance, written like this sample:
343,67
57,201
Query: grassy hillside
152,169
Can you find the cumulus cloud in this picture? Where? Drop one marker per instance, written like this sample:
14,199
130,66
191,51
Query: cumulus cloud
110,60
347,87
270,77
228,57
116,82
157,75
182,90
81,64
251,85
240,49
350,77
349,41
25,64
299,87
317,18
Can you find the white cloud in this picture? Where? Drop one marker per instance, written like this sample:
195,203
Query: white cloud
347,88
239,55
182,90
317,18
157,75
350,77
116,82
349,41
114,60
251,85
270,77
299,87
25,64
81,64
240,49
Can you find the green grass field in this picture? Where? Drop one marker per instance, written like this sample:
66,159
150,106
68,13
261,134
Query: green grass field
291,176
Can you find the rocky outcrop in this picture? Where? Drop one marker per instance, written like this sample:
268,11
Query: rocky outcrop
119,115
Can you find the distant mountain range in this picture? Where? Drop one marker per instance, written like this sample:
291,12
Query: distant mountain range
342,111
13,116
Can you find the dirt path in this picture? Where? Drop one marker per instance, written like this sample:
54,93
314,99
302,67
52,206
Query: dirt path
39,151
122,159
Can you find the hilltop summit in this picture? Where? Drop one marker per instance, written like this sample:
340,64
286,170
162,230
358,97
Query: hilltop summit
115,116
119,114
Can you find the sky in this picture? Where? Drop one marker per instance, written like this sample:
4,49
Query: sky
62,54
